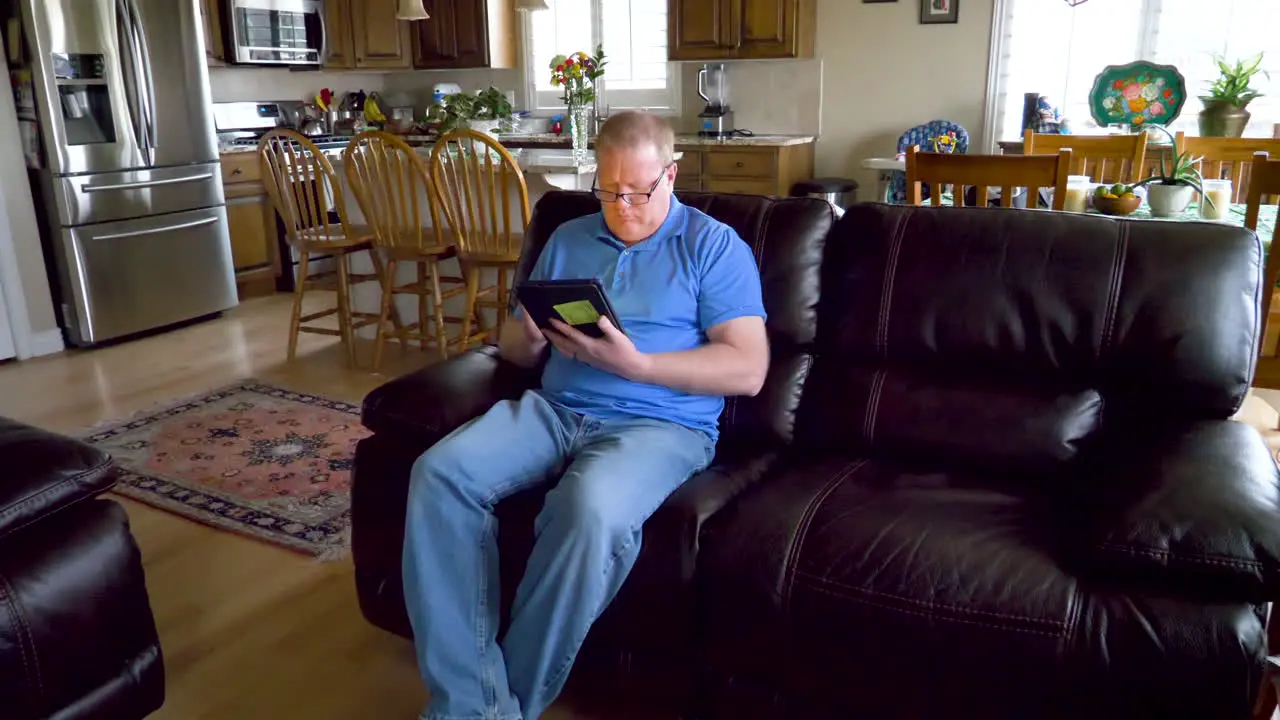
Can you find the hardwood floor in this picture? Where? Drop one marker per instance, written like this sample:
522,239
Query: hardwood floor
248,630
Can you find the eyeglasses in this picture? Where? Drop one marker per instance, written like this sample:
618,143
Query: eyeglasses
633,198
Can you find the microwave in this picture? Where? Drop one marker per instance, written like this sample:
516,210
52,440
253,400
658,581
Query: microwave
276,32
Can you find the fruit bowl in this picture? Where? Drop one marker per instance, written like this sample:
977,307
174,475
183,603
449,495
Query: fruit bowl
1118,206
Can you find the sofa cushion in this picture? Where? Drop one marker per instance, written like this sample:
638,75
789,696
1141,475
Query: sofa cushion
44,472
850,572
1158,319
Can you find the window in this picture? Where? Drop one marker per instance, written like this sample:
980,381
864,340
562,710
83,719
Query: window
1049,47
634,35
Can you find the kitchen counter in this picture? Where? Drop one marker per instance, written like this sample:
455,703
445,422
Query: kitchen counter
535,140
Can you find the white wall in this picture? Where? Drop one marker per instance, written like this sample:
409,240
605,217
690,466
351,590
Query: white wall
883,73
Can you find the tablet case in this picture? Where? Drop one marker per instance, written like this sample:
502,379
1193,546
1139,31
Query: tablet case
579,303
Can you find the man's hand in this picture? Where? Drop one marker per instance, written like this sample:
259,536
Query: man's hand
613,353
520,341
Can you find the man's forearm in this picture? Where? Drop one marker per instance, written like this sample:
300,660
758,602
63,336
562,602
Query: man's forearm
712,369
515,348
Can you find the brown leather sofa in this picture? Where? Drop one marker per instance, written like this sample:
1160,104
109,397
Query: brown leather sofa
991,475
77,638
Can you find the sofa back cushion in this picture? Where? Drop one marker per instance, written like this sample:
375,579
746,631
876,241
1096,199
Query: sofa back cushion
1002,336
787,237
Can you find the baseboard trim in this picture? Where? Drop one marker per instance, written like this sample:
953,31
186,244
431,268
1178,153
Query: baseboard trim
47,342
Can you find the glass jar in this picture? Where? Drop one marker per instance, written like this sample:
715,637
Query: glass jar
1078,187
1220,192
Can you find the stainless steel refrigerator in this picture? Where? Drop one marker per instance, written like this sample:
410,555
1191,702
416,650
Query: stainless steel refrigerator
131,187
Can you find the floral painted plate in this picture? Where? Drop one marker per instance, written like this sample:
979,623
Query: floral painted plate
1137,94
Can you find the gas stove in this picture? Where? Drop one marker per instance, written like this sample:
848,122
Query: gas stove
324,142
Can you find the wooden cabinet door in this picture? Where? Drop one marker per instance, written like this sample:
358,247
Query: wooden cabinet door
456,36
702,29
215,51
381,41
248,220
339,52
775,29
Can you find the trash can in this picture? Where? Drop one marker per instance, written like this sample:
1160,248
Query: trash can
841,192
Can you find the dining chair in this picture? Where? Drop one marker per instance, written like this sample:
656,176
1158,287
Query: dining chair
1227,158
481,188
1264,184
1105,158
983,172
393,189
305,193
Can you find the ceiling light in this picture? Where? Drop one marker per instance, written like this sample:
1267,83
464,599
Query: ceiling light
532,5
411,10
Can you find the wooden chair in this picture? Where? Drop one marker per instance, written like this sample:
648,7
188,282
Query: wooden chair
984,171
1105,158
1265,181
393,188
305,193
480,188
1228,158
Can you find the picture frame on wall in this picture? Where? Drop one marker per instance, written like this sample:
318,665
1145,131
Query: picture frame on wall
939,12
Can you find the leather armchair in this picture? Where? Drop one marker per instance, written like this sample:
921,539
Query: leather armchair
77,638
992,475
643,645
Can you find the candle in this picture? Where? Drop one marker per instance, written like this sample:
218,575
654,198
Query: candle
1220,192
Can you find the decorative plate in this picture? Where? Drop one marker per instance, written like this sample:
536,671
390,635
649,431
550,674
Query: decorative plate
1137,94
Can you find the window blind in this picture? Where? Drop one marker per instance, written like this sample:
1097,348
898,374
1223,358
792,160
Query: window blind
634,35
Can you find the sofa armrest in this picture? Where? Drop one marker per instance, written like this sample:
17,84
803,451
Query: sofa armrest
428,404
42,472
1196,512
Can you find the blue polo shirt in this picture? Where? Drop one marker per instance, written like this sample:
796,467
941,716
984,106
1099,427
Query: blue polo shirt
668,290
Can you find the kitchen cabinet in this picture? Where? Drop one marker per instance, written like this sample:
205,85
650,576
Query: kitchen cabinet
215,50
753,170
366,34
466,34
741,29
251,222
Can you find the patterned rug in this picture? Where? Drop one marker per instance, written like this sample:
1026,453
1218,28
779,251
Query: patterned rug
251,458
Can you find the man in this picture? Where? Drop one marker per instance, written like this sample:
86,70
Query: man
627,418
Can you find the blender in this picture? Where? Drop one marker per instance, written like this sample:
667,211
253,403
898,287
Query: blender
716,119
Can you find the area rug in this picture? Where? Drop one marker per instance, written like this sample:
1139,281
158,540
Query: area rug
250,458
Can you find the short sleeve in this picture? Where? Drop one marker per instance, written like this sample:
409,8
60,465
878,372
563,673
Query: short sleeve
730,282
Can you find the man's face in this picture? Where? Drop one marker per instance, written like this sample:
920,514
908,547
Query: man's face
635,170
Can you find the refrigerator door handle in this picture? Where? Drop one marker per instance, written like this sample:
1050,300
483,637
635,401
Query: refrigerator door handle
146,82
129,68
145,183
153,231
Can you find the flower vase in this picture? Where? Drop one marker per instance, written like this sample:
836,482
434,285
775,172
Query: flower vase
580,124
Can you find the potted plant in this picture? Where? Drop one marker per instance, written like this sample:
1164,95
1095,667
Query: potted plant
1225,113
1171,191
483,111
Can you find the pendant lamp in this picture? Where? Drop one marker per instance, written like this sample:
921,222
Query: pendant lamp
411,10
1074,3
532,5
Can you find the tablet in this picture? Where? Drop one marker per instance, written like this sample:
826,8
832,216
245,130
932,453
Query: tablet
579,303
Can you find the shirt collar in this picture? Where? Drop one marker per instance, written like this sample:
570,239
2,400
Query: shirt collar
673,226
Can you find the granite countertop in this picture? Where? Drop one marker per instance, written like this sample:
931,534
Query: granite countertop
237,149
681,140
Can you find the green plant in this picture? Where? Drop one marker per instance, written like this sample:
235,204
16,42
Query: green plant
1232,86
1185,170
461,108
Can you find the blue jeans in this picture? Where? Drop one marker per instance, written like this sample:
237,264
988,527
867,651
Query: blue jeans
615,475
